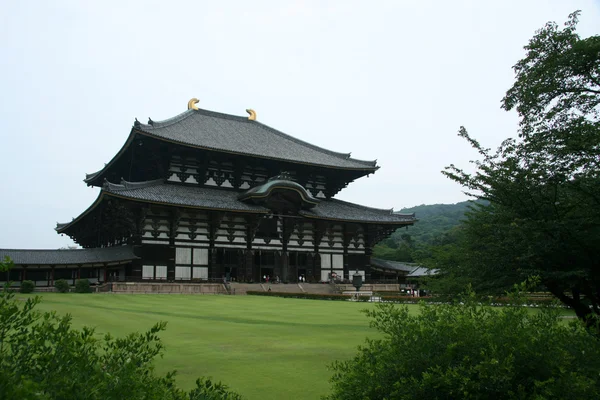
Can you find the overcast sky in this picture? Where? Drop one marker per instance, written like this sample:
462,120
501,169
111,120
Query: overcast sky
385,80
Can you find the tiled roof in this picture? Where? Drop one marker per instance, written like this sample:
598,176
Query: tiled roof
421,271
69,257
412,270
235,134
392,265
227,200
181,195
343,210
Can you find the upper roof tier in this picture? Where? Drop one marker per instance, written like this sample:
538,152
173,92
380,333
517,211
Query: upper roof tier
237,135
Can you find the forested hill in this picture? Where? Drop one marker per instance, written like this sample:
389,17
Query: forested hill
435,220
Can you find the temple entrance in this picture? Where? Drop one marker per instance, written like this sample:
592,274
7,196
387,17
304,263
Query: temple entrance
266,272
302,275
231,274
264,261
298,262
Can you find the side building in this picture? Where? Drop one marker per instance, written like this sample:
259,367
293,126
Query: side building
206,195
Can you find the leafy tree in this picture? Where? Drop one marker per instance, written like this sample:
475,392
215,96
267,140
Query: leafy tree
466,351
43,357
543,188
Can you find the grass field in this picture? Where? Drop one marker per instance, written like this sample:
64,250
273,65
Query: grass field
264,348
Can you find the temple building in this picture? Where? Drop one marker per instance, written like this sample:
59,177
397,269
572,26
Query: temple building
206,195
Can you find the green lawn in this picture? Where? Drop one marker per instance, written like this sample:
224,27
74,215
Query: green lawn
264,348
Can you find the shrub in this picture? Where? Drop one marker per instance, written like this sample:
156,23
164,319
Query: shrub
466,350
27,286
83,286
62,285
311,296
43,357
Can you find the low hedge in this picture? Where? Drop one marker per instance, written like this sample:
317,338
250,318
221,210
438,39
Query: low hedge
312,296
499,301
492,301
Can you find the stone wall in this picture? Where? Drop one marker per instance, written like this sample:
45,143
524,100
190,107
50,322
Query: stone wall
159,288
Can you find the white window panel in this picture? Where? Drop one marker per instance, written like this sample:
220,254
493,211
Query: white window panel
183,273
200,257
161,272
148,272
337,260
326,261
324,275
200,272
183,255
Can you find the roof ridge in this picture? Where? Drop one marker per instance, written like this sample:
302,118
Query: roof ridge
388,210
126,185
344,156
188,113
41,249
216,114
86,249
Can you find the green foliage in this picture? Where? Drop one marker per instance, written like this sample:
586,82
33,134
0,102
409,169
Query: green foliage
434,221
6,264
27,287
413,244
62,286
208,390
83,286
311,296
543,189
43,357
468,351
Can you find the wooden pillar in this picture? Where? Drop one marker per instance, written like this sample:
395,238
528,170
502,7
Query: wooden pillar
286,231
368,253
105,273
215,270
316,266
24,275
251,273
346,236
318,232
52,275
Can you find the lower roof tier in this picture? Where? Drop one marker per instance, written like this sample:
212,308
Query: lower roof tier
129,210
169,194
107,255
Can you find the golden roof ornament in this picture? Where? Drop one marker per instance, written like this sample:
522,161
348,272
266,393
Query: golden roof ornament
192,104
252,113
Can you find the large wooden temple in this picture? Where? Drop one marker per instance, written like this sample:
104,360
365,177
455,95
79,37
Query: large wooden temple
206,195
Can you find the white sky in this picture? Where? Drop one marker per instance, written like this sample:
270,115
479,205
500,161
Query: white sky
385,80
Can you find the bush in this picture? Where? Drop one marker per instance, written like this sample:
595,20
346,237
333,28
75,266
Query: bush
466,350
83,286
312,296
27,287
62,286
43,357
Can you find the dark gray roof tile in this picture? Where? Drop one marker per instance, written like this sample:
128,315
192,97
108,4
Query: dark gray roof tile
230,133
227,200
69,257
